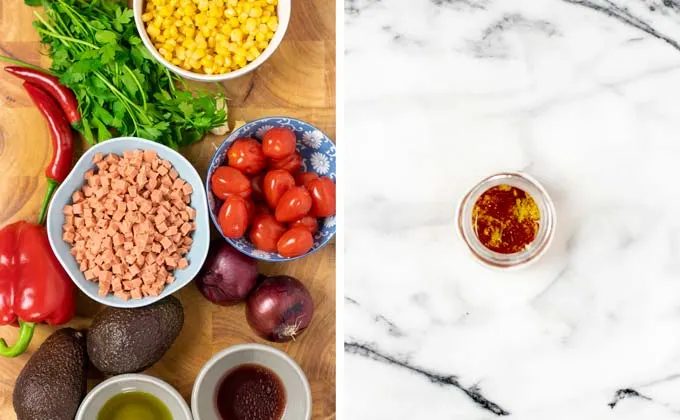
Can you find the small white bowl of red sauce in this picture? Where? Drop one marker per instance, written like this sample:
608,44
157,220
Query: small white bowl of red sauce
252,381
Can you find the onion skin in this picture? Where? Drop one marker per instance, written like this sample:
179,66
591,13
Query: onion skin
279,309
228,276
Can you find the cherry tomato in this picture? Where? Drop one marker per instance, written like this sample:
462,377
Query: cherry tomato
278,143
307,222
265,232
233,217
246,155
276,183
256,183
304,177
295,242
294,204
323,196
292,163
226,181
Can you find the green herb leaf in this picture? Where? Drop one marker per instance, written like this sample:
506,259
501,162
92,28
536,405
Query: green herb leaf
33,3
187,109
106,37
108,53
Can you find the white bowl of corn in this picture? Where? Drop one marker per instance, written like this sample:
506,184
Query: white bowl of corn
211,40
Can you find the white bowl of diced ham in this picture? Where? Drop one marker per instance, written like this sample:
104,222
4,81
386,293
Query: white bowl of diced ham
130,222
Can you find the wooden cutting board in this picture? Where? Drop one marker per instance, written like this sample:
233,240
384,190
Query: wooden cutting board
297,81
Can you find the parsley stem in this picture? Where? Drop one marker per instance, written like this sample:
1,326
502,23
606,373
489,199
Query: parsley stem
139,85
75,16
67,38
60,22
118,92
122,97
172,84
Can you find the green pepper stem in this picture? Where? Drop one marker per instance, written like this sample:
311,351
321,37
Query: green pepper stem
51,186
25,334
22,63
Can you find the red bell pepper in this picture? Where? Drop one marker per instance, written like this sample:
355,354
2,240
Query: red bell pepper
33,285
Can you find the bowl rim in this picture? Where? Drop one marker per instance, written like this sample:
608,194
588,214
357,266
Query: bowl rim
213,217
201,205
134,377
283,5
253,347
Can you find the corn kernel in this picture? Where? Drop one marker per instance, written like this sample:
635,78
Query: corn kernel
236,35
240,60
146,17
255,12
251,25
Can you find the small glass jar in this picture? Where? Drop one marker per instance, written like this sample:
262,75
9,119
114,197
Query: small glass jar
546,223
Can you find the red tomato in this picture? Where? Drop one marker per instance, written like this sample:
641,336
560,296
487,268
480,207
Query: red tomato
308,222
323,196
276,183
278,143
295,242
256,187
246,155
265,232
292,163
294,204
304,177
233,217
226,181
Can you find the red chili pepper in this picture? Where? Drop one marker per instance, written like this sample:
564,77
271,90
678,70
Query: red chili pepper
62,142
33,285
63,95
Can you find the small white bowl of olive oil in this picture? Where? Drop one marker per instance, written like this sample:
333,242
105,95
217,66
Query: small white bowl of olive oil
134,396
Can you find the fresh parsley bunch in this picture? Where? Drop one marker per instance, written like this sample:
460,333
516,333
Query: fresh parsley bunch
121,88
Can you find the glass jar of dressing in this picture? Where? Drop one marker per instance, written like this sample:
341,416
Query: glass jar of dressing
507,220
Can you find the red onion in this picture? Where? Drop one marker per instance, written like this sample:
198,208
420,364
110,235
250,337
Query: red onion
279,309
228,276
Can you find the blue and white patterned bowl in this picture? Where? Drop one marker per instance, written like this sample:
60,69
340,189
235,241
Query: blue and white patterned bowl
318,155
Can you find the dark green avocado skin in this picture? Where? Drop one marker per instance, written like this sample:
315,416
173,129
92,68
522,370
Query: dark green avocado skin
132,340
54,380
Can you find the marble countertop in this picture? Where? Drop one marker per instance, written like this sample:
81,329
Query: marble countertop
585,96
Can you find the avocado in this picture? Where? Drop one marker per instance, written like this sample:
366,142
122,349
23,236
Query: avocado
54,380
132,340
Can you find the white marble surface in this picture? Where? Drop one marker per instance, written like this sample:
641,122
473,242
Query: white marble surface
585,96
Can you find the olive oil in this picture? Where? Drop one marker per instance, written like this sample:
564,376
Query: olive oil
134,405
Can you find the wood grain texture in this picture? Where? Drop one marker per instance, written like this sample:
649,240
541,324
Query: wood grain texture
297,81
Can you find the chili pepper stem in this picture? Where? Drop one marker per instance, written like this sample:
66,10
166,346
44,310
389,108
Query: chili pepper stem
51,186
22,63
25,334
